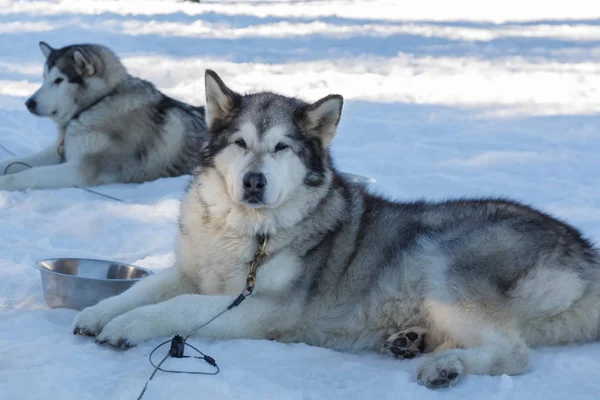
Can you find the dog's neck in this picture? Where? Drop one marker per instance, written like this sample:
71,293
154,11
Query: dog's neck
114,82
90,105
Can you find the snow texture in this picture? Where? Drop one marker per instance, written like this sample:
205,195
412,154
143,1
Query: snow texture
443,99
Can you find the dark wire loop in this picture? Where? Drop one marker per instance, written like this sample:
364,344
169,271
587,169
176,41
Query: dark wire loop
207,359
29,166
178,343
203,357
16,163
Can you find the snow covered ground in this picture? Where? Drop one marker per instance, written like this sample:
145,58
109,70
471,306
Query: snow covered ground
443,99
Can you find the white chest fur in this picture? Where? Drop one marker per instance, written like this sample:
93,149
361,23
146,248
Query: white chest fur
79,141
219,265
278,273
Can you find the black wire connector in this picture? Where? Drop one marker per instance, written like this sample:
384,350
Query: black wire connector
177,346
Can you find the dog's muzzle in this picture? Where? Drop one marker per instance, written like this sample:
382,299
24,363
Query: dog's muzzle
255,184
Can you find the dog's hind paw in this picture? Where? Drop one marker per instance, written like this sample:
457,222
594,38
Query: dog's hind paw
440,371
406,344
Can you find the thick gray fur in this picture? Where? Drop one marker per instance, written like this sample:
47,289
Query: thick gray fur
477,282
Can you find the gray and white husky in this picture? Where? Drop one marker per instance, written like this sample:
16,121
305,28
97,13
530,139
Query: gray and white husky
112,127
474,282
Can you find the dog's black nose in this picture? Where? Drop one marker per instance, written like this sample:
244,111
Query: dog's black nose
31,104
255,182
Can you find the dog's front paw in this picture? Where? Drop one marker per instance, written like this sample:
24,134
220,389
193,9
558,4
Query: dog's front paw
91,320
130,329
440,371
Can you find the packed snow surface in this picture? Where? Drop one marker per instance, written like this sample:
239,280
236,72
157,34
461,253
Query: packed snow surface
443,99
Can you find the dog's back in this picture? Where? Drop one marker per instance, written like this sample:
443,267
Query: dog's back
144,135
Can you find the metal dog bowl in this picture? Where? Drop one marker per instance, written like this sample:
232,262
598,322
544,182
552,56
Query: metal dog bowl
78,283
359,180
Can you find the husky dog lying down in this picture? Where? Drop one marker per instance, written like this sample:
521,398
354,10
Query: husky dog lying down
112,127
474,282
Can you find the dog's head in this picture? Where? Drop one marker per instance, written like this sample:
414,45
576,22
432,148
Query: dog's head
74,78
268,149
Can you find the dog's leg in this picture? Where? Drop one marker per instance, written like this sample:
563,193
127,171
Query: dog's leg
46,177
494,357
153,289
450,344
49,156
182,314
485,348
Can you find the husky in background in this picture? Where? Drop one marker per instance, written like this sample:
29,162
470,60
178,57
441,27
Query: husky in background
476,283
112,127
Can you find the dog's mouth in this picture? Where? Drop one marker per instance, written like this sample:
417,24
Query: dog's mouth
253,200
39,114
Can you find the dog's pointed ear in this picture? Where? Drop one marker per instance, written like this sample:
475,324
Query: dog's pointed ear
83,63
220,100
46,49
322,117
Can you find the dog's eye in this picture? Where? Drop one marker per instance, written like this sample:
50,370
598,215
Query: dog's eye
58,80
281,146
241,143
